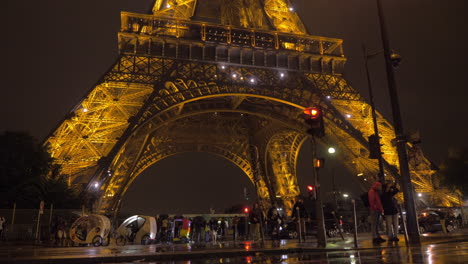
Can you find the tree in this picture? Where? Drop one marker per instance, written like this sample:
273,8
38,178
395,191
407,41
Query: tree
27,174
454,170
21,159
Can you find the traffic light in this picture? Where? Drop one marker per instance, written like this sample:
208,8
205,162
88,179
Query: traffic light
374,147
311,191
319,163
246,210
395,58
313,116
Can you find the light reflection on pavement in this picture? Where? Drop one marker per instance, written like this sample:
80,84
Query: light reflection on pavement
430,254
440,250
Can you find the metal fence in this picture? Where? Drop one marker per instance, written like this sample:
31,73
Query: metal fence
22,224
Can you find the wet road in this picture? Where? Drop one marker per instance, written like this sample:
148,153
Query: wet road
432,254
436,249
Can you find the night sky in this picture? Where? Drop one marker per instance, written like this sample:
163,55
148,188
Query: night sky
54,51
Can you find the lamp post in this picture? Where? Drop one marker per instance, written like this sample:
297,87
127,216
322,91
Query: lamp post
407,186
321,231
256,162
381,175
331,151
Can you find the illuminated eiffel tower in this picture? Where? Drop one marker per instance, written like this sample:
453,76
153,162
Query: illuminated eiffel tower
228,77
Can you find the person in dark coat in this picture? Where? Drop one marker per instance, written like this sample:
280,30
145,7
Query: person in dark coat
272,221
299,215
390,209
299,210
255,219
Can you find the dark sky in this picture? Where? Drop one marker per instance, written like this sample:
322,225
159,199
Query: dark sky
54,51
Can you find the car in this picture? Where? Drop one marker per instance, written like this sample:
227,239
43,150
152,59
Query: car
429,221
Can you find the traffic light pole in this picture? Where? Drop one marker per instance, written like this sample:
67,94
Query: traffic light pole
381,175
321,237
407,186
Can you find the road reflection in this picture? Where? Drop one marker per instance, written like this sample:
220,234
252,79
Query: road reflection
430,254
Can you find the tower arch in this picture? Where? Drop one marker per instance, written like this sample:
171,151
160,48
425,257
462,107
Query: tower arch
179,73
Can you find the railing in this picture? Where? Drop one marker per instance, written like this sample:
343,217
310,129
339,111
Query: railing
223,34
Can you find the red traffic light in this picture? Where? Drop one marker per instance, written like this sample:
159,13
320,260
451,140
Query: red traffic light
311,191
313,116
313,112
246,210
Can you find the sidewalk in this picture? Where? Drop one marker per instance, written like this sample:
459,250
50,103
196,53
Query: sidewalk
111,254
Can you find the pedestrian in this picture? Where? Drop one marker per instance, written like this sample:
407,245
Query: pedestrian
442,219
375,211
390,209
2,227
158,227
235,226
255,219
223,226
242,227
197,224
207,232
299,215
460,220
272,222
164,229
214,228
61,232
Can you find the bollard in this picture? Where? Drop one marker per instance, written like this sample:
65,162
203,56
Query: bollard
246,228
299,224
37,227
403,222
355,224
13,214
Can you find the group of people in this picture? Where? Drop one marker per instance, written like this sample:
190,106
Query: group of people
382,202
202,230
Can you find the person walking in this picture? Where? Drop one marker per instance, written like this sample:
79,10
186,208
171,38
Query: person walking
375,211
214,228
255,219
299,215
442,217
165,229
390,210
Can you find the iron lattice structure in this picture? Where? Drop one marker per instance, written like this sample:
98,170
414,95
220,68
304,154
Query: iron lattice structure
225,78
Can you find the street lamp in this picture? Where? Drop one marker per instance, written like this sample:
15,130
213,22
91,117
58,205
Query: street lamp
332,151
406,183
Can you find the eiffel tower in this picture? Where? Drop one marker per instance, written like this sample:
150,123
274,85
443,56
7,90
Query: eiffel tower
227,77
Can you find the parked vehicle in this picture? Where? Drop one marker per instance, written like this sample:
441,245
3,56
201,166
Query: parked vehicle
137,228
91,229
289,229
181,230
429,221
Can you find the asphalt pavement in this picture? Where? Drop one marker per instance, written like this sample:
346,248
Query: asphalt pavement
452,246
